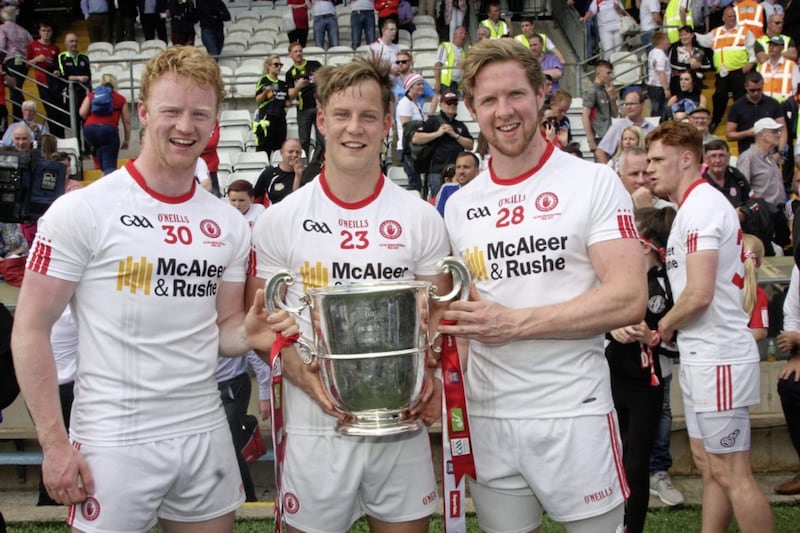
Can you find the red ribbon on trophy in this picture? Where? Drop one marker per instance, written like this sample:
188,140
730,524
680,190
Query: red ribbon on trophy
278,432
456,442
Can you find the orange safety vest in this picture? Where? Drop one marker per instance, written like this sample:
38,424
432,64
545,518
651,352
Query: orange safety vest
750,14
729,48
778,79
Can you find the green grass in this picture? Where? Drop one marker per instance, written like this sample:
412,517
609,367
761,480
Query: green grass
683,520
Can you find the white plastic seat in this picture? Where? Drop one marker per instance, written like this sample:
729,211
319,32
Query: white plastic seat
127,45
421,21
246,78
225,162
153,44
235,117
425,43
242,16
248,175
100,46
250,161
398,175
424,31
231,138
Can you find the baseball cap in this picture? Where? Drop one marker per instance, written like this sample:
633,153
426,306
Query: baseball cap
450,96
765,124
776,40
410,80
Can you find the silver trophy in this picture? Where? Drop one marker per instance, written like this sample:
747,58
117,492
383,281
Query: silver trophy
371,341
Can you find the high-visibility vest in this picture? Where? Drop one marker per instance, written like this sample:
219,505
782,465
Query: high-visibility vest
524,40
778,78
764,42
750,14
672,19
495,33
729,48
446,76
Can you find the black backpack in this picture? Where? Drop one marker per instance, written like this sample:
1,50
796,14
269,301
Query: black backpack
418,156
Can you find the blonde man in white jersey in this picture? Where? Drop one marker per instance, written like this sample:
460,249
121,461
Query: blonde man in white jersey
719,358
154,269
556,263
350,220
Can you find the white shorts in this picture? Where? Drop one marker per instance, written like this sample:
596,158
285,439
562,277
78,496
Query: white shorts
721,432
330,481
185,479
570,467
716,388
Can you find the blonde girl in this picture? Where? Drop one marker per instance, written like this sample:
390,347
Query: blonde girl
755,298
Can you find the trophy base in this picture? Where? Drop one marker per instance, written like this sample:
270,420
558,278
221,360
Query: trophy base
376,427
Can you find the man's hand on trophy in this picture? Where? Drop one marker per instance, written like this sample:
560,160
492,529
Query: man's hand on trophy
307,377
429,407
482,320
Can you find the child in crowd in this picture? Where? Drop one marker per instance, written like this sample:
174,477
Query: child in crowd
659,74
633,358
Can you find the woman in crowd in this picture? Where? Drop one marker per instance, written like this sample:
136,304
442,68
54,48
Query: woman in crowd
633,358
101,129
631,136
608,16
408,109
687,54
756,301
271,92
300,13
687,98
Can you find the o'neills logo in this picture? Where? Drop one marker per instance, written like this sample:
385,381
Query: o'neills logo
600,495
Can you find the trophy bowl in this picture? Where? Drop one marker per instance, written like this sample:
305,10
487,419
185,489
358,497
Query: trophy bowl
371,342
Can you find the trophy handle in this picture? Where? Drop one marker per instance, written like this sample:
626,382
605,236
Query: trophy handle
308,354
460,274
272,289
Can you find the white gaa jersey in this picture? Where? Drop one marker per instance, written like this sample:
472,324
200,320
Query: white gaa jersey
389,236
147,269
525,242
707,221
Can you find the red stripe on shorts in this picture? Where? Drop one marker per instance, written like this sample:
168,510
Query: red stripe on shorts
615,449
724,388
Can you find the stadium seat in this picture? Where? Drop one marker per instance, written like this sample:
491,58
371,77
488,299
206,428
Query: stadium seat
250,161
153,44
235,117
249,175
422,21
398,175
133,46
425,32
425,43
627,68
225,162
246,78
100,49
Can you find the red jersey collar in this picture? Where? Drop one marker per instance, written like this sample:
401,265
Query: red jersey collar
348,205
548,151
138,178
693,186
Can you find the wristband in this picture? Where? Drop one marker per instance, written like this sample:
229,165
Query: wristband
656,340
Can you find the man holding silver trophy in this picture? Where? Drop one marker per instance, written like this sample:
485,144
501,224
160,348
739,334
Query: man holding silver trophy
554,254
363,254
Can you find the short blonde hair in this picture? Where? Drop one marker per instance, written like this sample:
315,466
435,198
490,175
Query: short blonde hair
109,79
269,60
186,62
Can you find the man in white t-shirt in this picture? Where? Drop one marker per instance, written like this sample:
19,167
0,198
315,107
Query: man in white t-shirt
719,372
350,225
649,19
555,263
153,268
